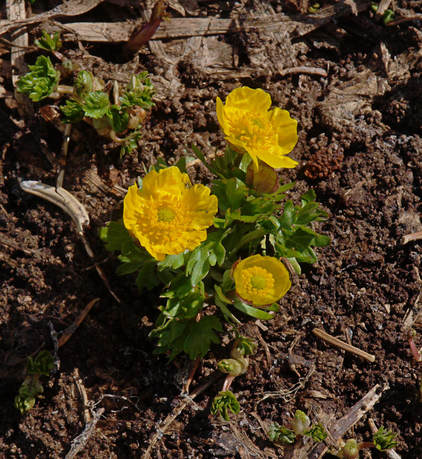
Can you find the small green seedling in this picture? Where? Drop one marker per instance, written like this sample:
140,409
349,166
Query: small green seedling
300,426
314,8
88,99
49,42
382,440
31,387
388,15
224,404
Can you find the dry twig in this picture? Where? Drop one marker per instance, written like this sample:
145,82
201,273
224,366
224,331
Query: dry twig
412,237
68,332
80,441
342,345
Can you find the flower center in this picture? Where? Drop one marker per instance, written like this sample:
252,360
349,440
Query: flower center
165,214
258,281
256,284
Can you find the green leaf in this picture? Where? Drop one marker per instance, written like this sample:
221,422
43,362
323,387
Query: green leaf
41,364
184,307
201,336
220,253
96,104
287,218
300,239
84,83
251,311
72,111
226,312
225,403
138,92
147,277
295,265
170,335
281,434
309,196
198,265
49,42
244,163
118,118
172,262
41,81
317,432
384,439
115,236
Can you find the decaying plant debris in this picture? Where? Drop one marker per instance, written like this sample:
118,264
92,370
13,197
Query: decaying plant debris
353,84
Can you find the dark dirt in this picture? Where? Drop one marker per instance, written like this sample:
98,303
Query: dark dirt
360,148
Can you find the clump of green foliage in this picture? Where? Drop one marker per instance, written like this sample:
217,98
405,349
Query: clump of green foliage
300,426
382,440
31,388
88,98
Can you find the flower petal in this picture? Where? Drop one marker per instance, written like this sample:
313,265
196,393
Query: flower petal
245,98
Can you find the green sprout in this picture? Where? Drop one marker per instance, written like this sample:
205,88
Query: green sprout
41,81
300,423
87,99
317,432
31,387
49,42
314,8
300,426
281,434
388,15
224,404
382,440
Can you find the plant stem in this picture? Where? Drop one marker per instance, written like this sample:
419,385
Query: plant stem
227,383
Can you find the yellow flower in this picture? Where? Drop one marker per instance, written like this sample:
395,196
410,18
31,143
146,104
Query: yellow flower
261,280
251,127
169,215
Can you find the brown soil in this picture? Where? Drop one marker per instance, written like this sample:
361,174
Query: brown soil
360,148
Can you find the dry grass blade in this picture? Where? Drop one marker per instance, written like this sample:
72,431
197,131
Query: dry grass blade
67,334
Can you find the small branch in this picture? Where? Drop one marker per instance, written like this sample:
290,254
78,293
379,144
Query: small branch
80,441
412,237
68,332
194,367
53,335
383,7
303,69
82,394
342,345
